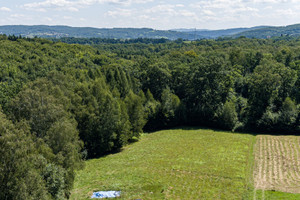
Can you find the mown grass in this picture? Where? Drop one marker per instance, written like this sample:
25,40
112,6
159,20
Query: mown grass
173,164
275,195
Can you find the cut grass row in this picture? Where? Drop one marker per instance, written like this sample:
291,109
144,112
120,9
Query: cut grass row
277,163
277,167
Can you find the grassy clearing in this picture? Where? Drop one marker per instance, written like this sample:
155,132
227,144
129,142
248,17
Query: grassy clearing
173,164
188,164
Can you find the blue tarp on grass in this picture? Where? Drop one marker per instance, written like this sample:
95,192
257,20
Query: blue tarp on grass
106,194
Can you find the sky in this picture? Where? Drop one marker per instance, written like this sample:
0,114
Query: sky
164,15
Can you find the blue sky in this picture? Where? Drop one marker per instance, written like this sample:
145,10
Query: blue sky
168,14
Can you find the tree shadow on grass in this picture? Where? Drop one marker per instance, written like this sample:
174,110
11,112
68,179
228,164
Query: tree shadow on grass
247,131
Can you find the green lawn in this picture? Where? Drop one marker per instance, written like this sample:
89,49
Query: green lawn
177,164
274,195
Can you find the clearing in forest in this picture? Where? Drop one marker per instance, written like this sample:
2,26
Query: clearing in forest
173,164
277,163
193,163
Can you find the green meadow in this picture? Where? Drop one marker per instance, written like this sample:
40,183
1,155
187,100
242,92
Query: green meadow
173,164
177,164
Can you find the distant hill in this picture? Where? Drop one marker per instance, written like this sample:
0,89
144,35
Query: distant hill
217,33
134,33
87,32
266,32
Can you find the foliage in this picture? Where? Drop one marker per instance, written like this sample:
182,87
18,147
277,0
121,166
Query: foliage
229,117
169,108
21,163
69,101
136,112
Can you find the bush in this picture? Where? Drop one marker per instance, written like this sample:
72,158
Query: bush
229,116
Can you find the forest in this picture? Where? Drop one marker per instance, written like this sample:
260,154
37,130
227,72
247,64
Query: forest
63,103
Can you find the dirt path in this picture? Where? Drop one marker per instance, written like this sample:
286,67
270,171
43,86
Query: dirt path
277,163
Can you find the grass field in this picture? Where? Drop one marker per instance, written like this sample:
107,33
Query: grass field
178,164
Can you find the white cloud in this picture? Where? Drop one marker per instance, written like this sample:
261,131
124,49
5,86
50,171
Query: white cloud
146,17
72,9
17,16
208,12
40,9
120,12
75,5
5,9
57,4
285,12
268,7
160,14
213,4
245,9
48,19
162,9
229,7
179,5
273,1
67,17
187,13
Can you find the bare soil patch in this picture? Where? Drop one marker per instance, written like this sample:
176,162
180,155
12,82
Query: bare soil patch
277,163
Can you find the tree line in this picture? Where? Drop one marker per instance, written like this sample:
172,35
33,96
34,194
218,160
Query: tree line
62,103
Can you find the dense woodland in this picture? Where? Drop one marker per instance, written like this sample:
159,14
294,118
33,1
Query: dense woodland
62,103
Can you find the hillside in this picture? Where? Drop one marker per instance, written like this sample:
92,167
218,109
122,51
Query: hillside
267,32
218,33
87,32
134,33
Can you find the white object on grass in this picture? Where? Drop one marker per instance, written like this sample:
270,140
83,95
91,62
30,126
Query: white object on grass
106,194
